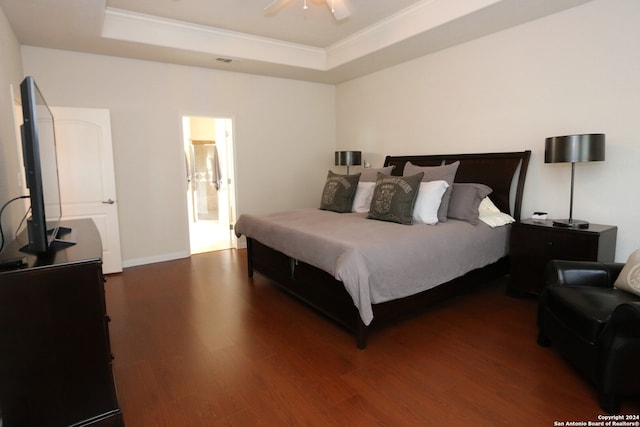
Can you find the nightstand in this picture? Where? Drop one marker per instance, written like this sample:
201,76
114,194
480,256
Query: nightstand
534,243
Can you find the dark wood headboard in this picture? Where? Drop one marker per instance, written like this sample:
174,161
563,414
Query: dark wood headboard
497,170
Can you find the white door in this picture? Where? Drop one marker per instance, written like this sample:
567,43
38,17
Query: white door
86,172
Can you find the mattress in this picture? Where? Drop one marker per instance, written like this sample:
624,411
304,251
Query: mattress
378,261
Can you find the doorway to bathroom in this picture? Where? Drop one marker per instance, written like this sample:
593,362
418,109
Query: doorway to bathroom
208,149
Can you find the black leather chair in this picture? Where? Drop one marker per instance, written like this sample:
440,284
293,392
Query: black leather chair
593,325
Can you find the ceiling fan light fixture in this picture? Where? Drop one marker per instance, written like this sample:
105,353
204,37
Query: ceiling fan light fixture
339,9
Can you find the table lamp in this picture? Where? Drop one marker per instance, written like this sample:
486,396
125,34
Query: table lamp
573,149
348,158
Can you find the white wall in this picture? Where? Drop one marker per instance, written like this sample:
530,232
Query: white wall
284,137
10,76
574,72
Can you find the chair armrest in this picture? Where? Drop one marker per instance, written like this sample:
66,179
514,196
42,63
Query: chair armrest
618,349
626,319
582,273
623,327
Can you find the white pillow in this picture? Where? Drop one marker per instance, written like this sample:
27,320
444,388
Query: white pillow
362,199
487,206
491,215
495,219
629,278
425,210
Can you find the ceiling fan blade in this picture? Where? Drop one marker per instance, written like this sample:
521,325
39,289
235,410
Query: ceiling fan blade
276,6
338,8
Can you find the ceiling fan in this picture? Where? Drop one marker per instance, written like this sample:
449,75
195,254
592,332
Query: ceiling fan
337,7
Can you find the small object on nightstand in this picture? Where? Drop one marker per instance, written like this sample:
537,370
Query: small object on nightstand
539,216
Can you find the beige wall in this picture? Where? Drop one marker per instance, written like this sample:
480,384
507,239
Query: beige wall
574,72
284,137
10,76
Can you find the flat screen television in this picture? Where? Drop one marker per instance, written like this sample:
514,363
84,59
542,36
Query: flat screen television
41,171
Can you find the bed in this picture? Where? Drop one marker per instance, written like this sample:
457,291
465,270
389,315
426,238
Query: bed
363,273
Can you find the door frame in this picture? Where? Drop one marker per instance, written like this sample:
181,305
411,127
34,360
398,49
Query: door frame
231,168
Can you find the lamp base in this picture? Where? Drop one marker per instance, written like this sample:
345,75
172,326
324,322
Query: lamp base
570,223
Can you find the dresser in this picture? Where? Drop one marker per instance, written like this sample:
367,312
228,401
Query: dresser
534,243
55,353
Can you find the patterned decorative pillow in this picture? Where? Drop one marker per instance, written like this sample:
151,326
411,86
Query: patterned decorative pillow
394,198
434,173
629,278
338,192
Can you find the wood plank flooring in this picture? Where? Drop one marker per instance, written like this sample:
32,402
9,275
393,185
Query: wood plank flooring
198,343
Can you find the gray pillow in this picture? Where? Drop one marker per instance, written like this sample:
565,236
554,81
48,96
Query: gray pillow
434,173
338,192
371,175
394,198
465,200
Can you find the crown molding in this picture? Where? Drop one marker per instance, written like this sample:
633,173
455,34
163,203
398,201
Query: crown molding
152,30
420,29
410,22
419,18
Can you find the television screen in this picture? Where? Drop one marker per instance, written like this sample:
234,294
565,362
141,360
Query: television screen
41,168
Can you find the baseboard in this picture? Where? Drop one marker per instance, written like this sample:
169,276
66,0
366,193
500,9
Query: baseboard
154,259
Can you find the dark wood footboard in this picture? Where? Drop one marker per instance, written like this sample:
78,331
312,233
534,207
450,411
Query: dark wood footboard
327,295
313,286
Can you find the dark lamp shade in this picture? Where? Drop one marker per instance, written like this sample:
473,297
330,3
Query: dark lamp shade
348,158
574,148
587,147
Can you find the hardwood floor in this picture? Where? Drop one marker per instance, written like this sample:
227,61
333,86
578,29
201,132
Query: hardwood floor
197,343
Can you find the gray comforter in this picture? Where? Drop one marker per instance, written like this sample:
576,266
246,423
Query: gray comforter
378,261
